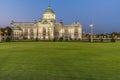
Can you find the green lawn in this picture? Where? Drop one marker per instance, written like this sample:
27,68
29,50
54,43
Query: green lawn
59,61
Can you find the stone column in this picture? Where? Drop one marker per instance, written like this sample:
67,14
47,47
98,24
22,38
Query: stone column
28,33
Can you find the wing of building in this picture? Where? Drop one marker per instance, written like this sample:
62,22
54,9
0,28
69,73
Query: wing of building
46,28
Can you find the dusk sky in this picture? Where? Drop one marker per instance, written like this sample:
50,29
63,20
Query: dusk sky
105,14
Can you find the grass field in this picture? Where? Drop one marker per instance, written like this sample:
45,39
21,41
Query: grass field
59,61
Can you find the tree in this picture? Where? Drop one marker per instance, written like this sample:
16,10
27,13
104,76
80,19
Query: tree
61,39
8,31
8,39
2,31
101,37
113,37
36,40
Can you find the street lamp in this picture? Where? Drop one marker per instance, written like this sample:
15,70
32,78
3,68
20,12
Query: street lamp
91,28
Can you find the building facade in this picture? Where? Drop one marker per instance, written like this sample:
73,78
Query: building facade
46,29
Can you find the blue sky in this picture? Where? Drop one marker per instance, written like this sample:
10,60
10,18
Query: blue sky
105,14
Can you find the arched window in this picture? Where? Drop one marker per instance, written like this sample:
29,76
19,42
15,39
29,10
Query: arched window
66,34
76,33
56,33
26,32
31,32
44,33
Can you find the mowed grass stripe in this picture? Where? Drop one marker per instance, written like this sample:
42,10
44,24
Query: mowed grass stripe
59,61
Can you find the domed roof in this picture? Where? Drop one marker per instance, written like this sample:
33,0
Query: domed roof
75,23
49,10
17,28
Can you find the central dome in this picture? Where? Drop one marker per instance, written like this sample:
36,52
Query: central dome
49,10
49,14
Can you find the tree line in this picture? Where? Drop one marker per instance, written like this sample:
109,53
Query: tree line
7,32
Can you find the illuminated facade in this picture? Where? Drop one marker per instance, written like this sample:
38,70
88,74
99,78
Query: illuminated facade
46,29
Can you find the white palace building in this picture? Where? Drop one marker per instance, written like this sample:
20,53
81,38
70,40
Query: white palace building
46,29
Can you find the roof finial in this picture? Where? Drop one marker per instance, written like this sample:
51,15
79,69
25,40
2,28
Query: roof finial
49,4
49,7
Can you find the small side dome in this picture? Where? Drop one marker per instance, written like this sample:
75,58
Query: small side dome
76,23
12,22
17,28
